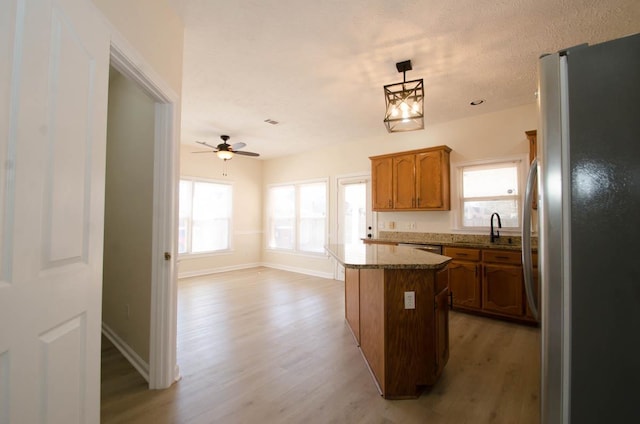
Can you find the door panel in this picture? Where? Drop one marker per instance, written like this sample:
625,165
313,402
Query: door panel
53,101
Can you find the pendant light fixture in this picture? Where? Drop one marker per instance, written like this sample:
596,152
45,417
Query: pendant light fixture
404,102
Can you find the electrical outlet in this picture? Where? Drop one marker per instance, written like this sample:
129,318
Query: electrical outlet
391,225
412,225
410,300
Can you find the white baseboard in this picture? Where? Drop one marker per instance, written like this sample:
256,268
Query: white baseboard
209,271
201,272
130,355
304,271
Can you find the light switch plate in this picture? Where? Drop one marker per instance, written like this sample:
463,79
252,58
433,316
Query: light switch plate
410,300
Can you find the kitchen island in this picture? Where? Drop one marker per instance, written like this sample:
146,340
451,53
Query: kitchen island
396,305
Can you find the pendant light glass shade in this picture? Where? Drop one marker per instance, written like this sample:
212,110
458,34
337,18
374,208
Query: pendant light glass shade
404,103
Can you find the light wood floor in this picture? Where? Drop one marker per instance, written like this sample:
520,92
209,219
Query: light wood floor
270,346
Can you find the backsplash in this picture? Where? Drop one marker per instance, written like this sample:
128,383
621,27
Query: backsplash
448,238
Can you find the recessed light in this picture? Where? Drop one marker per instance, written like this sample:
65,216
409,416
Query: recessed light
477,102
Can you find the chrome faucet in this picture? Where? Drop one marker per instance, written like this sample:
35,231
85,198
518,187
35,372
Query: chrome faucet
497,234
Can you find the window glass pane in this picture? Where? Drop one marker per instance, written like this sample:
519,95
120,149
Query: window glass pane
478,213
282,208
211,213
354,226
204,216
184,206
487,181
313,209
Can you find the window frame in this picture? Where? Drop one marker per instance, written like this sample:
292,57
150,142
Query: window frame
522,165
297,218
189,235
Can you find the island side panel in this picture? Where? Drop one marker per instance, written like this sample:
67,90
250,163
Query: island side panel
352,301
372,337
410,333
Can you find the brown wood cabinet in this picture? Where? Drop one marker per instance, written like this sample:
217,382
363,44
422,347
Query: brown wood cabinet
489,282
405,349
412,180
464,277
352,301
382,183
441,321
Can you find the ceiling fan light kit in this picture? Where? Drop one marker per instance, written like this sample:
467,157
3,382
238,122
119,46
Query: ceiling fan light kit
404,102
226,151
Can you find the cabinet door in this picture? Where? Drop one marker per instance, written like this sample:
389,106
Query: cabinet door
502,289
352,300
382,183
464,283
432,180
441,325
404,195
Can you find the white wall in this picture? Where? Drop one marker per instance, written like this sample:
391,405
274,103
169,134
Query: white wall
126,301
245,174
487,136
154,30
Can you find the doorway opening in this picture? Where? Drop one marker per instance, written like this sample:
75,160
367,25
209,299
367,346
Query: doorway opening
161,157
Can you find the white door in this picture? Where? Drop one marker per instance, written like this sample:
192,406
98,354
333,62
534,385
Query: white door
53,98
354,213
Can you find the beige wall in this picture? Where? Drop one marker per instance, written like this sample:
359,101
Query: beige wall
245,174
154,30
488,136
126,292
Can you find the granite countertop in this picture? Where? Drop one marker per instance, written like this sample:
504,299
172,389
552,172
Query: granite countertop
385,256
476,241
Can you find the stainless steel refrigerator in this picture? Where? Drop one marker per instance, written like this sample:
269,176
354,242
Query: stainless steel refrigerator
588,169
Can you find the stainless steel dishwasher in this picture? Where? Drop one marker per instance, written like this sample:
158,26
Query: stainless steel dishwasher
433,248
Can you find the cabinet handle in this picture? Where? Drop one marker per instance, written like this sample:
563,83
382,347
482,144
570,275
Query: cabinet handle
502,257
450,300
418,202
389,202
476,271
462,254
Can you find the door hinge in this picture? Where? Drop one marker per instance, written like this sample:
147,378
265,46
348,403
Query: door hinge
167,256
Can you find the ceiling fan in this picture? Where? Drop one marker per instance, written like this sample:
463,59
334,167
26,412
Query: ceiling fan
225,151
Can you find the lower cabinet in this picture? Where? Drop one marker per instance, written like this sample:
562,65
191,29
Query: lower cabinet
406,348
488,281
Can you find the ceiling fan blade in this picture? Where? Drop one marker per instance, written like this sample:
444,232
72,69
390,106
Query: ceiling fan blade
205,151
206,144
242,152
237,146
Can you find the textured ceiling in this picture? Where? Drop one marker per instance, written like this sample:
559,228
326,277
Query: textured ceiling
318,66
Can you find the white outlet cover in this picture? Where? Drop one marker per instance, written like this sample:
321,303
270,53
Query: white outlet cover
410,300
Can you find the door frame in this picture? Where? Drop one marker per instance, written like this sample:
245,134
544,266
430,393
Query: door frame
163,366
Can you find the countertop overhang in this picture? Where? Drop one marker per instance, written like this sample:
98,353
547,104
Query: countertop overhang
385,256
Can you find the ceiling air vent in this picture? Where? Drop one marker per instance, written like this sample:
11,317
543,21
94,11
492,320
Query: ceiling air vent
271,121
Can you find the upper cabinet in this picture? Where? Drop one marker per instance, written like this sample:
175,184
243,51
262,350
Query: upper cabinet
413,180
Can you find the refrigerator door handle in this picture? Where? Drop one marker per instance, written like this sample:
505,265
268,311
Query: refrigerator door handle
527,258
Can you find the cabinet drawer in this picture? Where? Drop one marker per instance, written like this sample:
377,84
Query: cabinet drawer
462,254
502,256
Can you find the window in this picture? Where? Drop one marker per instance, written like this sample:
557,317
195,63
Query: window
489,188
205,216
297,217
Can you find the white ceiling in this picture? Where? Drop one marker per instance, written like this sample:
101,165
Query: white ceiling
318,66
